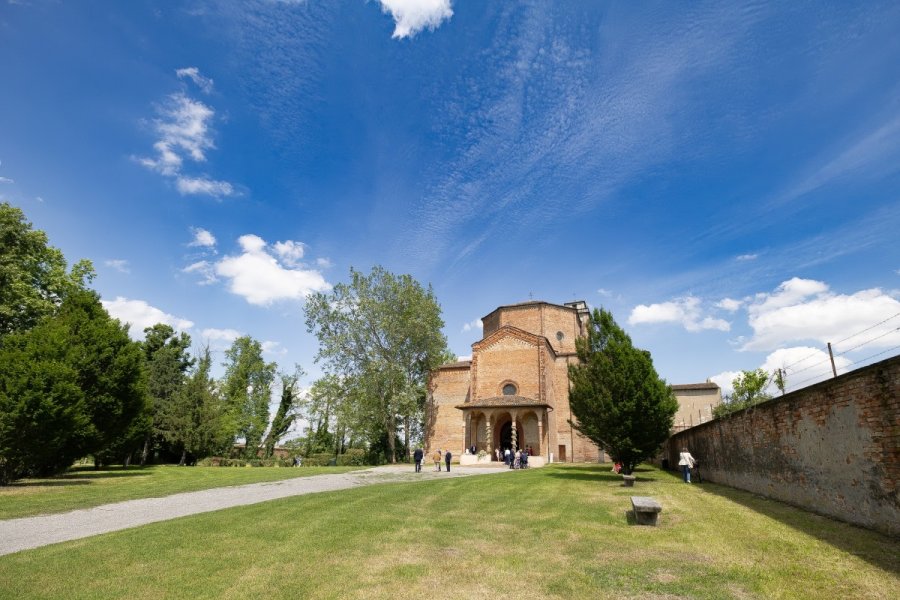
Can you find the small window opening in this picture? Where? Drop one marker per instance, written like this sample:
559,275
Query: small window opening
509,390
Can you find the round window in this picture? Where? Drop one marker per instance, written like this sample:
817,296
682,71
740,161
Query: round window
509,390
560,335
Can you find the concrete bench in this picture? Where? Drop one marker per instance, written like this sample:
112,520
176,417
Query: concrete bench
646,510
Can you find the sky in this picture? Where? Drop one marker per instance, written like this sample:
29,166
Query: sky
723,176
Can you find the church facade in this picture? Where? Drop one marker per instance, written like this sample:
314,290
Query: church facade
514,391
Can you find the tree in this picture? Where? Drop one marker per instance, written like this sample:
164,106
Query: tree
33,276
749,390
168,361
69,386
287,409
248,389
384,329
619,401
192,421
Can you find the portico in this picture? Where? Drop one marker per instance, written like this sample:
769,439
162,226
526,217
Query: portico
502,422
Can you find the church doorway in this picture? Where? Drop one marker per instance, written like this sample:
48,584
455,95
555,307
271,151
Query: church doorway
505,438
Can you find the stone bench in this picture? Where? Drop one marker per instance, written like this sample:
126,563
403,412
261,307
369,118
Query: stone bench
646,510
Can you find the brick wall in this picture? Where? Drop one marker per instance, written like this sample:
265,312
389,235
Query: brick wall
832,448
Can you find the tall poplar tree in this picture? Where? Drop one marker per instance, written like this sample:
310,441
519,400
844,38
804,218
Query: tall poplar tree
619,401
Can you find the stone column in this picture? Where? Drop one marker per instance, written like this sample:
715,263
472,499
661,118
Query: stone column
487,434
468,437
541,444
514,438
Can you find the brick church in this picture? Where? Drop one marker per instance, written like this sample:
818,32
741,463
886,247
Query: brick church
514,392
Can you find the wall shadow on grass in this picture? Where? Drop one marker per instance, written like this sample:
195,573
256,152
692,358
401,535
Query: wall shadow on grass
601,472
77,477
871,546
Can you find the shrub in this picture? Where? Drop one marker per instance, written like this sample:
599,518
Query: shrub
353,457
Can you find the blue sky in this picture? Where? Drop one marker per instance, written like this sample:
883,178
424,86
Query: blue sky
723,177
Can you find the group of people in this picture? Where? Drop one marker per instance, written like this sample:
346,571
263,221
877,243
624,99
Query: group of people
514,460
419,456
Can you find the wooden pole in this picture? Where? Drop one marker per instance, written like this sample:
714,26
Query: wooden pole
831,356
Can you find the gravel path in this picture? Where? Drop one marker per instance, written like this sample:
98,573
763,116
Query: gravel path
33,532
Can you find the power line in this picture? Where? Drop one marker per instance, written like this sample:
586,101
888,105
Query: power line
869,341
826,359
866,329
873,356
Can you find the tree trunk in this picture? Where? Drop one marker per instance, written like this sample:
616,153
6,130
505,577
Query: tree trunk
406,437
145,451
392,434
183,458
127,461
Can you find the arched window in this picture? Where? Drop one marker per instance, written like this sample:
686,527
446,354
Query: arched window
509,389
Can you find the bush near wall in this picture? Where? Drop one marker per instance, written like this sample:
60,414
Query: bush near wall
219,461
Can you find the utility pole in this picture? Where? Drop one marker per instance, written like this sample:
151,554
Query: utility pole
831,356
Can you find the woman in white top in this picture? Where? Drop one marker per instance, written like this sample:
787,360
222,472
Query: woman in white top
686,462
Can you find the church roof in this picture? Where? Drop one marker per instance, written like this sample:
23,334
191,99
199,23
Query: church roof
502,402
460,364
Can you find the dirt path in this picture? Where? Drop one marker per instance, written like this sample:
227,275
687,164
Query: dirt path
33,532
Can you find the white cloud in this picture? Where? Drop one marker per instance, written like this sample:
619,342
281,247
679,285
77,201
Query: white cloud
261,279
746,257
203,268
223,335
686,311
202,238
472,325
803,309
729,304
324,263
203,186
140,315
290,252
118,264
193,73
412,16
184,132
604,292
6,180
723,380
270,347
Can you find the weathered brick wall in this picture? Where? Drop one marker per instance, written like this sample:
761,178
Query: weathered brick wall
444,427
832,448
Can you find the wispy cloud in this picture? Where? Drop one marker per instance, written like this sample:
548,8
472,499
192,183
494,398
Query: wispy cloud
204,269
6,180
746,257
118,264
473,325
139,315
193,73
202,238
185,133
413,16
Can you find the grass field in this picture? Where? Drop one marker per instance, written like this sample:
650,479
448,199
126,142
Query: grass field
84,487
557,532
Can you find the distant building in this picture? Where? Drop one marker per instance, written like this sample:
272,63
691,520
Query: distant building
514,391
695,403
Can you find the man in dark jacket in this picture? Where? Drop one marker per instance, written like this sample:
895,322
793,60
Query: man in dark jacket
417,456
447,458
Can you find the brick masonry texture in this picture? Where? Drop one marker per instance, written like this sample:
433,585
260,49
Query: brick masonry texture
832,448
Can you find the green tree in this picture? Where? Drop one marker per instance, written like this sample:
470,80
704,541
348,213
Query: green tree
167,358
193,420
619,401
384,330
287,409
749,390
248,389
33,276
69,386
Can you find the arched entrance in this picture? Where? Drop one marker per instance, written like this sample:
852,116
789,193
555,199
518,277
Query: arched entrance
504,435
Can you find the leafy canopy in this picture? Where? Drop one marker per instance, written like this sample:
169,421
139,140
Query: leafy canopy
619,401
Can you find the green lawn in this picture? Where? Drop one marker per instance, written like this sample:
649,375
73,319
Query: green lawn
557,532
84,487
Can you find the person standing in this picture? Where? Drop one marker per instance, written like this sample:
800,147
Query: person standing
437,460
447,458
417,456
686,462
